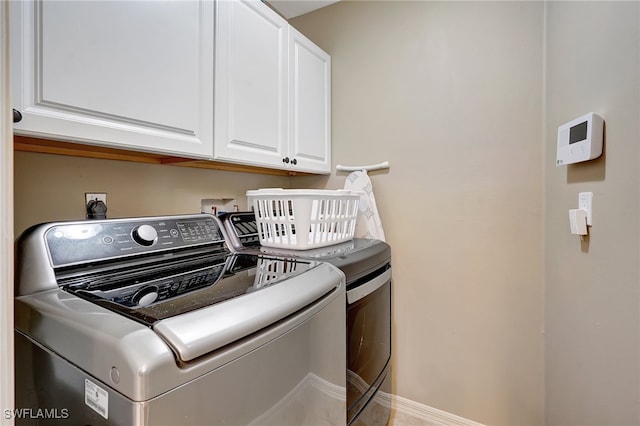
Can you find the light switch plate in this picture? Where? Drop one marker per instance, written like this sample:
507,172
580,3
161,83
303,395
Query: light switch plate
585,202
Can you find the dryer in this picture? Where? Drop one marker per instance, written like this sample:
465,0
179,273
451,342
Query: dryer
366,264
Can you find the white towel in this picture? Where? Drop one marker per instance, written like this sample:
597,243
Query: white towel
368,224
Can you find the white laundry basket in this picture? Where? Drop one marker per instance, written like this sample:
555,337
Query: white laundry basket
302,219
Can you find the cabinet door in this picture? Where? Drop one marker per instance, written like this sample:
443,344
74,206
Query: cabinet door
251,84
126,74
309,105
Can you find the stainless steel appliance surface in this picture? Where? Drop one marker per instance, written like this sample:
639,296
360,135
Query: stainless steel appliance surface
153,321
366,264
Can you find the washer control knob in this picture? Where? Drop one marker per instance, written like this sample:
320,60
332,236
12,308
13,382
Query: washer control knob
145,235
146,296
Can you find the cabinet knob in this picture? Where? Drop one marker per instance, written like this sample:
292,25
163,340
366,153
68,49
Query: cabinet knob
294,161
17,116
285,160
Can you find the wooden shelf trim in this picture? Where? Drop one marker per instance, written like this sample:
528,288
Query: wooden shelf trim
29,144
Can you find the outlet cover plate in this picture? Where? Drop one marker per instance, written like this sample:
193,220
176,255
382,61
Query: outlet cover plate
89,196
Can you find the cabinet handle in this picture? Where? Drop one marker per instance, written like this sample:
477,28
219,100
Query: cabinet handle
285,160
17,116
294,161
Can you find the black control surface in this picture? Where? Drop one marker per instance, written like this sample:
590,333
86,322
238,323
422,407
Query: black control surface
81,242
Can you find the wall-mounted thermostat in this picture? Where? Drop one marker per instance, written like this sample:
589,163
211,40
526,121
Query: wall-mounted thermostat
580,140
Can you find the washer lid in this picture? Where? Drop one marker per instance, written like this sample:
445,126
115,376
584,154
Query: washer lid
159,289
199,332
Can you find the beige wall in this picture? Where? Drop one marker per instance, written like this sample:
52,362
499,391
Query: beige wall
451,94
52,187
592,297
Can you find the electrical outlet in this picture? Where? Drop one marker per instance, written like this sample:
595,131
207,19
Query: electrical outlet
93,196
96,205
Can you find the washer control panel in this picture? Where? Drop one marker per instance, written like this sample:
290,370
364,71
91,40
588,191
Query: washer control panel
78,242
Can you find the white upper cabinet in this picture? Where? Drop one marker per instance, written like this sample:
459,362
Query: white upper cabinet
251,84
127,74
228,80
272,92
309,105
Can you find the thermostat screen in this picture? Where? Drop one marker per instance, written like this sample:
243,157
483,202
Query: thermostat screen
578,133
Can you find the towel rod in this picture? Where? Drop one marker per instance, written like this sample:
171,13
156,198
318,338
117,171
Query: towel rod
383,165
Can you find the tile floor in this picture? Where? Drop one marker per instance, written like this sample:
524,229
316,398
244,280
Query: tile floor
403,419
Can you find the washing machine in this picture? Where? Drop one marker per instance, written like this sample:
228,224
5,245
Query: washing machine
154,321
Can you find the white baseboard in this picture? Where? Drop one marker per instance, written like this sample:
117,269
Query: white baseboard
427,414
